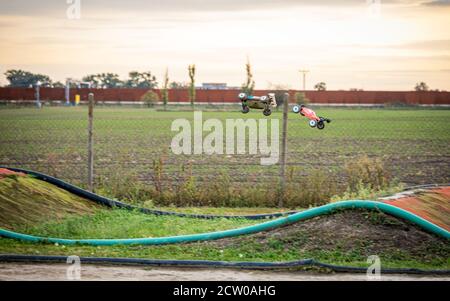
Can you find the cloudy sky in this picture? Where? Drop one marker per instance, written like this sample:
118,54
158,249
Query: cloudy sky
347,44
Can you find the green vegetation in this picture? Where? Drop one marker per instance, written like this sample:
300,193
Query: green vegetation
345,237
321,86
249,84
150,98
412,144
192,90
363,153
21,78
310,239
250,252
106,223
165,89
301,99
25,201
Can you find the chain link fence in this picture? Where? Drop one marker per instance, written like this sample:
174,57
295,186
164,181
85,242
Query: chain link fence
134,143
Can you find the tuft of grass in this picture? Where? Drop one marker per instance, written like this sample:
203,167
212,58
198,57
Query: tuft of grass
26,201
367,172
118,223
362,192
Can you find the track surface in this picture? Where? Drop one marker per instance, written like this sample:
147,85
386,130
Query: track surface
41,272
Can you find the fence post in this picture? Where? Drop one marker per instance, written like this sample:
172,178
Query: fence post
283,150
91,143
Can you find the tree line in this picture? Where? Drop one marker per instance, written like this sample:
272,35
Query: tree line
143,80
136,79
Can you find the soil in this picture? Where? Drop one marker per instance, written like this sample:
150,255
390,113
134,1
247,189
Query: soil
368,232
58,272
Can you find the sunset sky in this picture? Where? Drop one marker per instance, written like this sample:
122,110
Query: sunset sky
347,44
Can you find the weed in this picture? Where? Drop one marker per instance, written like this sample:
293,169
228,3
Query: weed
367,172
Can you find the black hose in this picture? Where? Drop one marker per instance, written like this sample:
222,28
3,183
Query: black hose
214,264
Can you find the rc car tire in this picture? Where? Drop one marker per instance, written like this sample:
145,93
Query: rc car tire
242,96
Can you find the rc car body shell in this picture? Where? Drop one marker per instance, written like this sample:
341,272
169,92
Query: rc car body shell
308,113
265,103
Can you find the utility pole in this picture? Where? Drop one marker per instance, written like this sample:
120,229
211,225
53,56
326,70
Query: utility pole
304,72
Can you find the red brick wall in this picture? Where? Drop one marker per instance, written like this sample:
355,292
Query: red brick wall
324,97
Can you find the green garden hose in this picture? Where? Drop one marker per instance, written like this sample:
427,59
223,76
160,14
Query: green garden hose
304,215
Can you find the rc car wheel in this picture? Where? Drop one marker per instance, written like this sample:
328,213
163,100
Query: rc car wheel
296,109
312,123
267,112
242,96
245,110
320,125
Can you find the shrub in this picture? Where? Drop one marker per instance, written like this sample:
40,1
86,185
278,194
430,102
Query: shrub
366,179
366,172
301,99
150,98
125,187
314,189
364,193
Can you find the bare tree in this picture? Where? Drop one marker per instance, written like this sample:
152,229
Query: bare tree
191,69
165,89
249,85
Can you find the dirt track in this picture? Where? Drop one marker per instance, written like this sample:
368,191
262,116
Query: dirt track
28,272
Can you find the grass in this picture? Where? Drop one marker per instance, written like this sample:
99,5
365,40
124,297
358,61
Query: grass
25,201
413,144
227,210
286,246
293,245
413,141
106,223
249,252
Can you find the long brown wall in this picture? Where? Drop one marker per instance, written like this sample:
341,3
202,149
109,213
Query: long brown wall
227,96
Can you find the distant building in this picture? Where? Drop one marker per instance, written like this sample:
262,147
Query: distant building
214,86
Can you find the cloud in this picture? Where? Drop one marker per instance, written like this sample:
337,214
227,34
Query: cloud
428,45
58,7
437,3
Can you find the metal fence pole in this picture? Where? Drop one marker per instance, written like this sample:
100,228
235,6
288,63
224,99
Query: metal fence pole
283,151
38,95
91,143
